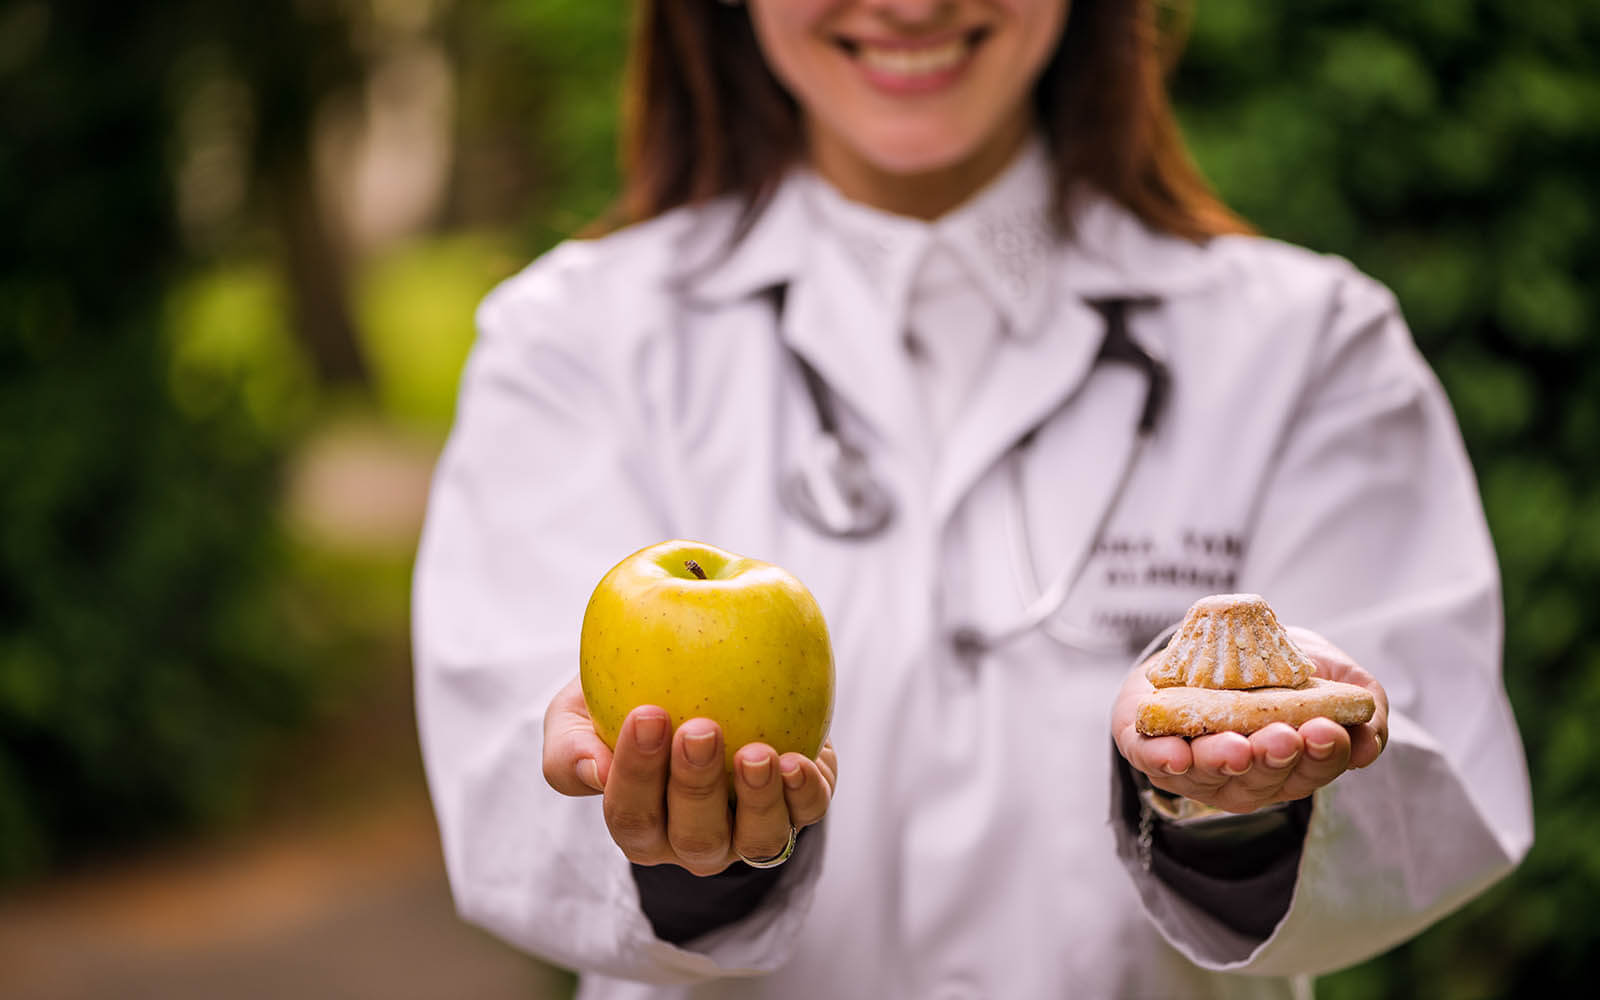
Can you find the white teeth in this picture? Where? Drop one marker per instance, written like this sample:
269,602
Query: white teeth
914,62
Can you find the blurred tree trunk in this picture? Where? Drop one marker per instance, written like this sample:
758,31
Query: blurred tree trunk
293,57
317,272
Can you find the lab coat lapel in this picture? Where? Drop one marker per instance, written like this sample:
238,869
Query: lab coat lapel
845,329
1053,371
853,343
1030,380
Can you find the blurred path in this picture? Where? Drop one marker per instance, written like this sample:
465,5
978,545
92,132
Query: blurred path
358,908
340,891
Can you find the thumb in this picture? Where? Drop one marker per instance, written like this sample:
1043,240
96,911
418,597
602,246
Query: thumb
575,760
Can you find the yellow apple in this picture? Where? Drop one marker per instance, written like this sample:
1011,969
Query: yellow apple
704,633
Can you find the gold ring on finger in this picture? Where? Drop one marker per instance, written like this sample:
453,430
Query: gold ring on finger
776,859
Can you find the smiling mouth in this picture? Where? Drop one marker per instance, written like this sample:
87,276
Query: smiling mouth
914,61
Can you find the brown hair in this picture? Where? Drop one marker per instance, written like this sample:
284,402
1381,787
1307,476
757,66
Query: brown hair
705,117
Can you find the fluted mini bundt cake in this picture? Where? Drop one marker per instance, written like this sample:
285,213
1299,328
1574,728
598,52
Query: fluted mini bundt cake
1231,642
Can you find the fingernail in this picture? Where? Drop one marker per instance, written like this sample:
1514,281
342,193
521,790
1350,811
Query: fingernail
756,774
700,748
793,776
1176,774
1319,751
1230,772
649,732
589,774
1281,761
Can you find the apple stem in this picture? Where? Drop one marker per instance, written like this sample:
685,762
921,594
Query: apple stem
694,567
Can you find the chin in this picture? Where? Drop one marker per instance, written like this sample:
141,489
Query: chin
910,150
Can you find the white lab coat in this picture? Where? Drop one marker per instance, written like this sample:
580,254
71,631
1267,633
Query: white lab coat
1306,453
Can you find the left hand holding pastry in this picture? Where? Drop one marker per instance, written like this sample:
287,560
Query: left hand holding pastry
1278,763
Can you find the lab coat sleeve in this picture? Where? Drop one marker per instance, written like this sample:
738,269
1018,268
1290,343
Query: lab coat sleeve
554,471
1370,531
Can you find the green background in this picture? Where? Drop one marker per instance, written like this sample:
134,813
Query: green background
167,631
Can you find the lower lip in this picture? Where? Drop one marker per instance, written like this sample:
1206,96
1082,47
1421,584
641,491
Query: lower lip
920,83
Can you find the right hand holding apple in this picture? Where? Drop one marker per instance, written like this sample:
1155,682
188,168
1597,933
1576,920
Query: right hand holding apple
666,792
676,637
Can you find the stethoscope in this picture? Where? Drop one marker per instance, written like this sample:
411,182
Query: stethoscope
833,489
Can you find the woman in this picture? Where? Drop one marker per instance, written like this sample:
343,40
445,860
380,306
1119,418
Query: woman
962,236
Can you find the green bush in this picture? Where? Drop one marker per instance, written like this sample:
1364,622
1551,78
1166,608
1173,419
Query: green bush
540,88
1450,148
144,652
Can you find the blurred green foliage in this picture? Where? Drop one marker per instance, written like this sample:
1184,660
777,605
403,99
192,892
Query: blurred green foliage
163,631
228,345
541,84
416,304
149,389
1451,149
143,655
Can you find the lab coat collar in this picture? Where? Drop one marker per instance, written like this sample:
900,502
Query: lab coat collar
1113,254
1002,236
835,321
836,314
847,330
1109,252
887,249
717,264
1006,239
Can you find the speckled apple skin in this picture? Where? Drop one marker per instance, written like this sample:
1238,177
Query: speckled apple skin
748,649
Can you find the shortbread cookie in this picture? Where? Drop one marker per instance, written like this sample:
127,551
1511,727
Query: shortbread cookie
1233,642
1193,711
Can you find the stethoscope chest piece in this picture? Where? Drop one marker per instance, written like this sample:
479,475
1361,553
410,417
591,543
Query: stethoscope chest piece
833,489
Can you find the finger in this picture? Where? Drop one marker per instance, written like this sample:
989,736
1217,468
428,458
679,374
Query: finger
1366,744
1165,759
575,760
1367,741
1275,750
1160,757
1124,710
1219,758
760,818
828,765
1326,756
633,809
805,792
699,824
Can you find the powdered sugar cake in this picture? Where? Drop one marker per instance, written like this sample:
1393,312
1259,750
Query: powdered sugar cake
1231,667
1231,642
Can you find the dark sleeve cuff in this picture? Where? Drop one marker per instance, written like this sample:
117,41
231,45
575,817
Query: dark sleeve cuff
682,906
1239,869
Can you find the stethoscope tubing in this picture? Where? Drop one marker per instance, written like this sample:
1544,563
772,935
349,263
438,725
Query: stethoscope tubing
1041,612
833,490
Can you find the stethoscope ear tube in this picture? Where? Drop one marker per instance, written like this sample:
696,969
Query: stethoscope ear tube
1119,347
